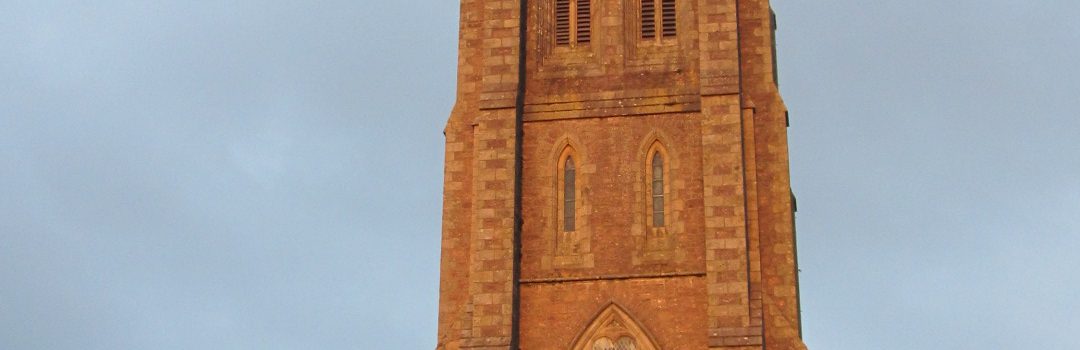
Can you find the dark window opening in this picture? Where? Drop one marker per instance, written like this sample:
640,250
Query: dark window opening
658,190
584,21
568,195
573,22
648,19
562,22
658,19
668,18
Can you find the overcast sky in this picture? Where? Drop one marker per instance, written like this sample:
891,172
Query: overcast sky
268,174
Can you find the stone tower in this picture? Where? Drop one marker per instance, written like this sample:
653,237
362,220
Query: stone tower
617,178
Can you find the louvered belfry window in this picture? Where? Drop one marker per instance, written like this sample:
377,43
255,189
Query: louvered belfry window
573,22
657,19
584,21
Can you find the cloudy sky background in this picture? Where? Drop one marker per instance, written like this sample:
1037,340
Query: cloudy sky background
267,174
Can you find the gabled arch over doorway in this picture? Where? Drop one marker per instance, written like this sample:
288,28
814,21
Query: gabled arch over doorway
614,329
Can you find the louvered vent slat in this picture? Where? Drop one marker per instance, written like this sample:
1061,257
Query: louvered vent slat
562,22
668,18
648,19
584,21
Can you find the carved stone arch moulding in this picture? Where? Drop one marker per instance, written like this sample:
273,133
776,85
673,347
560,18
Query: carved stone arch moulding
614,329
657,140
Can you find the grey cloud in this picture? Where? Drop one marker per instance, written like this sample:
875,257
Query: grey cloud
267,175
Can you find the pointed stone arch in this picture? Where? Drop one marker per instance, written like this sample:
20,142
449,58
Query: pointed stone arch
570,245
614,329
658,243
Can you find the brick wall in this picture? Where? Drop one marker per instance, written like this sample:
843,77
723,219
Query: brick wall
719,275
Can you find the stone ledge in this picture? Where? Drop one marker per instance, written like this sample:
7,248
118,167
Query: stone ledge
610,277
737,336
613,107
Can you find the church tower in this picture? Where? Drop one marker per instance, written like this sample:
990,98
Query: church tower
617,178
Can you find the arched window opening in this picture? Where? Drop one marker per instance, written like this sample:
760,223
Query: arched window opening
658,190
569,188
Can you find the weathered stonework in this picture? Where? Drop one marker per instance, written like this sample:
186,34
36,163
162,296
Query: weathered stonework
718,273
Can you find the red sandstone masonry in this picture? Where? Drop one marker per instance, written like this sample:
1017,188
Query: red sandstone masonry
781,313
492,246
723,277
456,247
455,318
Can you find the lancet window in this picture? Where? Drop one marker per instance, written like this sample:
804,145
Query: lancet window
569,195
657,188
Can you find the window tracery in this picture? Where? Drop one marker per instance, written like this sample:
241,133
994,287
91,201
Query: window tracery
614,329
624,343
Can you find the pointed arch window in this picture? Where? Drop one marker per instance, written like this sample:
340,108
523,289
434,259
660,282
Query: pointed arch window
657,189
569,197
658,19
569,208
573,22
